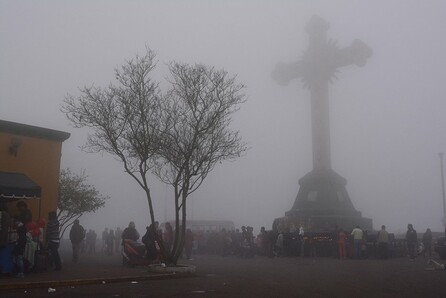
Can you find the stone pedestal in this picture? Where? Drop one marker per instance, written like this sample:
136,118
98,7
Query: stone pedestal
323,203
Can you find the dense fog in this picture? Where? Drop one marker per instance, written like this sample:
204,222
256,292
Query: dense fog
387,118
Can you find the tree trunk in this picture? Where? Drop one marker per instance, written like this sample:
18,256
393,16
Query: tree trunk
174,255
182,231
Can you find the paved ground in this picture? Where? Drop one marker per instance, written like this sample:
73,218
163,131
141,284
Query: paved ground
234,277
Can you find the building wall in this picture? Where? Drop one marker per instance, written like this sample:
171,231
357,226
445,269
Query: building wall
39,159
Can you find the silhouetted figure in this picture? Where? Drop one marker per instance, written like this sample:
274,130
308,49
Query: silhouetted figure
342,240
77,234
427,243
19,249
301,241
25,215
248,248
236,242
364,251
53,241
104,240
149,240
357,241
130,232
383,242
279,244
411,241
110,242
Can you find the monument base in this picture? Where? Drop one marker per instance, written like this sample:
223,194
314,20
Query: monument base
321,223
322,204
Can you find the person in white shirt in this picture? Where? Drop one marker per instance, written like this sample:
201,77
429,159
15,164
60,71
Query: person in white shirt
357,241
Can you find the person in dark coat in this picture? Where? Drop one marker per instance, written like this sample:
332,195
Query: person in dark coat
52,238
77,234
149,240
25,215
130,232
411,241
110,241
19,249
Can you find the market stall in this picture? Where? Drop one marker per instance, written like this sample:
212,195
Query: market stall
15,187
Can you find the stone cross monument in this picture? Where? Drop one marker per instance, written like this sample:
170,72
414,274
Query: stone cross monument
322,201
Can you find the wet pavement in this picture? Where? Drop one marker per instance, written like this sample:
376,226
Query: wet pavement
218,276
90,269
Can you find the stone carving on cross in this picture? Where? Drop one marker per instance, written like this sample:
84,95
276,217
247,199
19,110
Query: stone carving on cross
317,68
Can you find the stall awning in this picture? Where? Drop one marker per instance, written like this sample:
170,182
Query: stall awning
16,186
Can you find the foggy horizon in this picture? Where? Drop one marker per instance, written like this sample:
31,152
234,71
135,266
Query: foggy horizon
387,118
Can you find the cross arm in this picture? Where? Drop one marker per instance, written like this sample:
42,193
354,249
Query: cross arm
357,54
285,72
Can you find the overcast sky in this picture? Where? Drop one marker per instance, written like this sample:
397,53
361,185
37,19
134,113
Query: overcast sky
388,119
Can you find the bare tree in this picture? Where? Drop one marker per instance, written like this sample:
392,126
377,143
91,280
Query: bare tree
123,119
76,197
178,136
196,114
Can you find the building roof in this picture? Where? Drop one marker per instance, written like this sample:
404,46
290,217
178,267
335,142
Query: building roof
33,131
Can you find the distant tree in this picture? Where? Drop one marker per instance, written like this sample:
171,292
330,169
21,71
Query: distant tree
179,136
76,197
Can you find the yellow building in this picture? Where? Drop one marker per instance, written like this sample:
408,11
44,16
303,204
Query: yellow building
29,166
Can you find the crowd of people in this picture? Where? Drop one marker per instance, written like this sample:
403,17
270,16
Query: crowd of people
242,242
21,238
357,242
342,244
27,245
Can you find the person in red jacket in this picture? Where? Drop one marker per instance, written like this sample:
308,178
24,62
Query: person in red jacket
342,239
